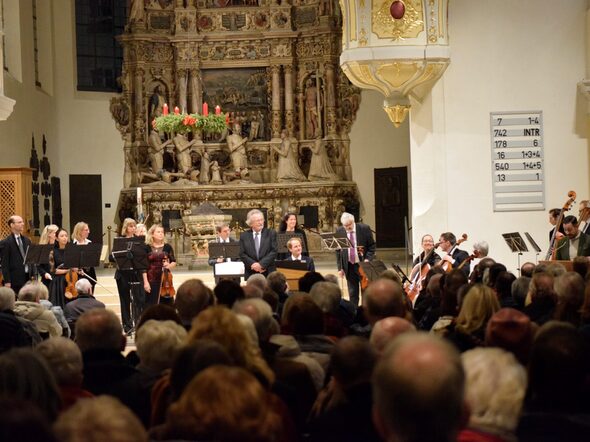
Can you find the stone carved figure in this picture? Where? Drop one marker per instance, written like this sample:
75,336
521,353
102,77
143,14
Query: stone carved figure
215,173
320,168
137,11
288,169
183,152
312,110
237,149
156,150
205,165
156,104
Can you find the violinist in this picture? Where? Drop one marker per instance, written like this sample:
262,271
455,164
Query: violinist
160,258
80,237
48,236
57,289
289,225
454,256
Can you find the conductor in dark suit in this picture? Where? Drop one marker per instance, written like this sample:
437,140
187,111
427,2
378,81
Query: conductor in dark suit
295,247
14,271
258,246
576,243
363,249
223,232
454,255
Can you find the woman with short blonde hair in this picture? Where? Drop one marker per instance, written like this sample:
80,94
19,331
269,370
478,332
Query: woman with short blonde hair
48,236
80,236
160,258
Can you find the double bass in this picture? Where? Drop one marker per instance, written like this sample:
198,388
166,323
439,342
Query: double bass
553,243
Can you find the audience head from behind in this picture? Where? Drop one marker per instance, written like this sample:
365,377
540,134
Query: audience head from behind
307,281
352,361
512,331
224,404
503,286
519,289
495,270
483,269
495,387
25,375
157,343
580,266
192,297
260,313
159,312
33,291
302,316
83,287
386,330
527,269
99,329
100,418
22,421
418,390
384,298
327,296
64,359
7,299
277,282
569,288
541,288
227,292
479,305
390,274
257,280
252,291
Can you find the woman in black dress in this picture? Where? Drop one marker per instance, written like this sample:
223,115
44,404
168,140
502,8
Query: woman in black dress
48,236
80,237
160,257
58,272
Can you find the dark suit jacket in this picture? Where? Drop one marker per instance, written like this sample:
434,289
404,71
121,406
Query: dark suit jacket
306,259
459,256
563,247
268,251
364,238
13,267
213,260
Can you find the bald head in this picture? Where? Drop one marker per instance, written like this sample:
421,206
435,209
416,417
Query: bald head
386,330
382,299
420,377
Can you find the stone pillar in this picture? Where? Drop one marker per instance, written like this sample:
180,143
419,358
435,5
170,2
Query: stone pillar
138,111
301,117
276,102
330,101
289,115
181,81
196,91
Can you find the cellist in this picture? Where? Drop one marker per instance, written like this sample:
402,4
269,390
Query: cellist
428,251
454,256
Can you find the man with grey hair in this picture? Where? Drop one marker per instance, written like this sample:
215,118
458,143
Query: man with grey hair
258,246
84,302
348,260
337,312
418,390
386,330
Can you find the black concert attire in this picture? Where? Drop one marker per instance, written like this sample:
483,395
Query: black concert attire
301,233
156,257
14,270
89,272
432,260
57,286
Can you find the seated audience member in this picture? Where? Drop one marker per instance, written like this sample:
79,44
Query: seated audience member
520,288
495,270
277,282
418,390
480,274
512,331
192,297
427,307
190,361
570,298
44,301
303,319
503,289
12,333
495,386
83,303
22,421
25,375
307,281
223,326
159,312
158,343
424,300
390,274
227,292
348,396
100,418
386,330
384,298
527,269
470,327
580,266
542,298
328,297
224,404
257,280
253,291
65,362
28,307
555,269
557,407
449,303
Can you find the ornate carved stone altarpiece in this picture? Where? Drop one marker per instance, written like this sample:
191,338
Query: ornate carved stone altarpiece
273,68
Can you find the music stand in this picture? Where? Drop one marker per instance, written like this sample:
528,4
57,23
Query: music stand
224,250
131,256
335,241
81,256
37,254
534,244
284,237
516,244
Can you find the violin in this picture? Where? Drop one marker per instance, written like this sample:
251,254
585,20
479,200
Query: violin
447,266
364,278
568,204
166,285
71,280
470,258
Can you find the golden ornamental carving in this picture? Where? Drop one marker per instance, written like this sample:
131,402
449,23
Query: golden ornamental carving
384,26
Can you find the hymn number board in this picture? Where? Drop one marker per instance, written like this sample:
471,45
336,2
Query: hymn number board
517,161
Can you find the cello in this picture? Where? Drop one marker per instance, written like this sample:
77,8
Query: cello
418,274
447,266
552,249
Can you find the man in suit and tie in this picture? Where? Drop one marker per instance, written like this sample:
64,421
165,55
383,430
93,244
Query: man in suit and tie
454,256
295,248
258,246
575,243
14,270
363,249
223,232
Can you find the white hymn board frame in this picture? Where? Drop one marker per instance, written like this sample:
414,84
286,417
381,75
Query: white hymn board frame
518,166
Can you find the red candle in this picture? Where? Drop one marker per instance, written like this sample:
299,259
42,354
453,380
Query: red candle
217,110
165,109
205,109
227,118
176,110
